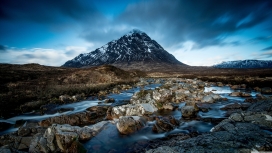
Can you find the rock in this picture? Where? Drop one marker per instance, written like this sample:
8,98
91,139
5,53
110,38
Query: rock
188,112
162,95
111,100
90,116
142,82
220,84
76,147
131,110
181,94
266,90
240,94
38,144
164,124
64,140
115,91
25,143
244,94
168,106
207,99
201,85
235,94
257,89
242,106
243,86
65,98
24,131
262,106
64,137
251,100
78,97
237,117
235,87
260,96
9,149
162,149
130,124
234,137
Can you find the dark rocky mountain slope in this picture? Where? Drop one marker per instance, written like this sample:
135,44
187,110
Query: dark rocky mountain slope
135,50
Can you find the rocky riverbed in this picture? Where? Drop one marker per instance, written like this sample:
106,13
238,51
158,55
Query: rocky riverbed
158,115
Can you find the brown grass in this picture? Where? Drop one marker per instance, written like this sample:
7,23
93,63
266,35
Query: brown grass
33,82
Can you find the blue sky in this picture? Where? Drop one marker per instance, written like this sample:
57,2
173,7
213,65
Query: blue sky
196,32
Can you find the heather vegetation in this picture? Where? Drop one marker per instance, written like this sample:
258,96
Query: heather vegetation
35,85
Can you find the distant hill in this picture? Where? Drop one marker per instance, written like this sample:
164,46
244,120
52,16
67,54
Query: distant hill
134,50
242,64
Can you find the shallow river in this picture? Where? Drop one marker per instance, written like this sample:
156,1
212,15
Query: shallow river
109,138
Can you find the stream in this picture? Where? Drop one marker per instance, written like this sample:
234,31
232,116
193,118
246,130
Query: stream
109,139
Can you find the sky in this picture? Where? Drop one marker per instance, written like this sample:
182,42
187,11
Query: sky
196,32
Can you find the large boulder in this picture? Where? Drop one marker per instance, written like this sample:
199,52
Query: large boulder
207,99
181,94
131,110
210,98
91,116
188,112
130,124
63,138
165,124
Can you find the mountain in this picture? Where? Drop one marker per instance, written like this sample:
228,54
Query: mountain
133,50
245,64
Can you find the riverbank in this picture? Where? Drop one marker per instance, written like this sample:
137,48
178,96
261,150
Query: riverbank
26,88
173,114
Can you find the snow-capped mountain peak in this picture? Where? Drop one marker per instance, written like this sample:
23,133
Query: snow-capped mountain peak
245,64
135,46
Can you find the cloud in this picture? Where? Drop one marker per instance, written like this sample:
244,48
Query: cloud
45,11
50,57
3,48
267,48
260,39
264,55
207,23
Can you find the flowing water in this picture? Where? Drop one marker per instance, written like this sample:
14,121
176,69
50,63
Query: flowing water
109,138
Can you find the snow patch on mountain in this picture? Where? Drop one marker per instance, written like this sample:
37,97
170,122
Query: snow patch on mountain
245,64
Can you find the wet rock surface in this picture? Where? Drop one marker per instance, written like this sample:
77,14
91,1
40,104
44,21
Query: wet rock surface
165,124
130,124
182,111
64,137
90,116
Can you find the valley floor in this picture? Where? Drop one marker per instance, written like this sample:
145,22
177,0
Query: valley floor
106,109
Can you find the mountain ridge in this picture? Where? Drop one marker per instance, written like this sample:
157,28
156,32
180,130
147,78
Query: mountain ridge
245,64
132,48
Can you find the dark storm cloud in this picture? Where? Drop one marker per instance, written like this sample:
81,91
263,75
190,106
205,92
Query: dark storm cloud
3,48
267,48
205,22
45,11
171,23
